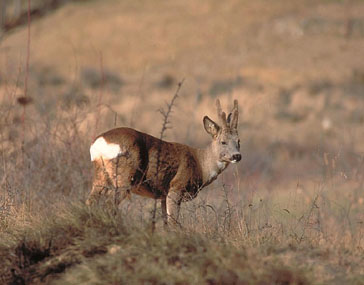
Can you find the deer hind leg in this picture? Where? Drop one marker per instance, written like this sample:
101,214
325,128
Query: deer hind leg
112,181
173,203
101,184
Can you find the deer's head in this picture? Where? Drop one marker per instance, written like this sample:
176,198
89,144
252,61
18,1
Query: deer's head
226,143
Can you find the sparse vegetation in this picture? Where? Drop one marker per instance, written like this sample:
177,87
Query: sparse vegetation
292,212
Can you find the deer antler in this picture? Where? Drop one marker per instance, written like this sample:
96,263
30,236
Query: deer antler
234,115
221,114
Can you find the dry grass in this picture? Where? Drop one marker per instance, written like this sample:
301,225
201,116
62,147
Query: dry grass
72,244
290,213
242,230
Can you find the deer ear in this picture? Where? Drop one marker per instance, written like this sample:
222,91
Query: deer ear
210,126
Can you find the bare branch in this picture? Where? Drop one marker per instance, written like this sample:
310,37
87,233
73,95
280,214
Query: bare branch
165,125
166,113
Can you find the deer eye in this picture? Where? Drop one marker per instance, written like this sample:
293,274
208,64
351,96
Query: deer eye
224,143
238,143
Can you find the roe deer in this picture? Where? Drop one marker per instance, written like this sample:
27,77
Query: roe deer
127,161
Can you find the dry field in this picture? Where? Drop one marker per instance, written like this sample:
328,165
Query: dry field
291,212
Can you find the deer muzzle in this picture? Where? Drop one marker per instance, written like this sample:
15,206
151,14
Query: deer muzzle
236,158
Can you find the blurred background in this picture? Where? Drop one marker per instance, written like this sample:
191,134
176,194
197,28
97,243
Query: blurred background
296,68
293,207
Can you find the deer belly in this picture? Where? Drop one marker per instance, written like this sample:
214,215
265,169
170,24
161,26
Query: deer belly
145,191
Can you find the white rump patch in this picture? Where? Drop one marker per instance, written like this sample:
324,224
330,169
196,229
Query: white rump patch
100,148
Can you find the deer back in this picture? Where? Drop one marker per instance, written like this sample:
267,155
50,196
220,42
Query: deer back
148,161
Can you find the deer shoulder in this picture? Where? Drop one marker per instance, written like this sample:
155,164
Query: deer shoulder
127,161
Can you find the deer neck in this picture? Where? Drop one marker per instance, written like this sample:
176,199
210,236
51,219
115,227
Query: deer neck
210,164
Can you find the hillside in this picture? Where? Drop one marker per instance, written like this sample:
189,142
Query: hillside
291,212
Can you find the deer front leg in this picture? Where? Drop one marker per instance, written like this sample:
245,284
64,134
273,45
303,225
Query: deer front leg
173,201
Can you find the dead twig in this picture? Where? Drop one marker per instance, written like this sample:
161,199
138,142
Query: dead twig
25,99
165,126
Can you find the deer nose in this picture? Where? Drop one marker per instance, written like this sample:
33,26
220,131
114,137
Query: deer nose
237,157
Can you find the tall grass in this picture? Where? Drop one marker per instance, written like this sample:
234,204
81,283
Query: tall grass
311,232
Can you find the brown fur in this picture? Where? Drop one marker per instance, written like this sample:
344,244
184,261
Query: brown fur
158,169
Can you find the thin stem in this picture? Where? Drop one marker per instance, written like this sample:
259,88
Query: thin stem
101,92
165,126
26,83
